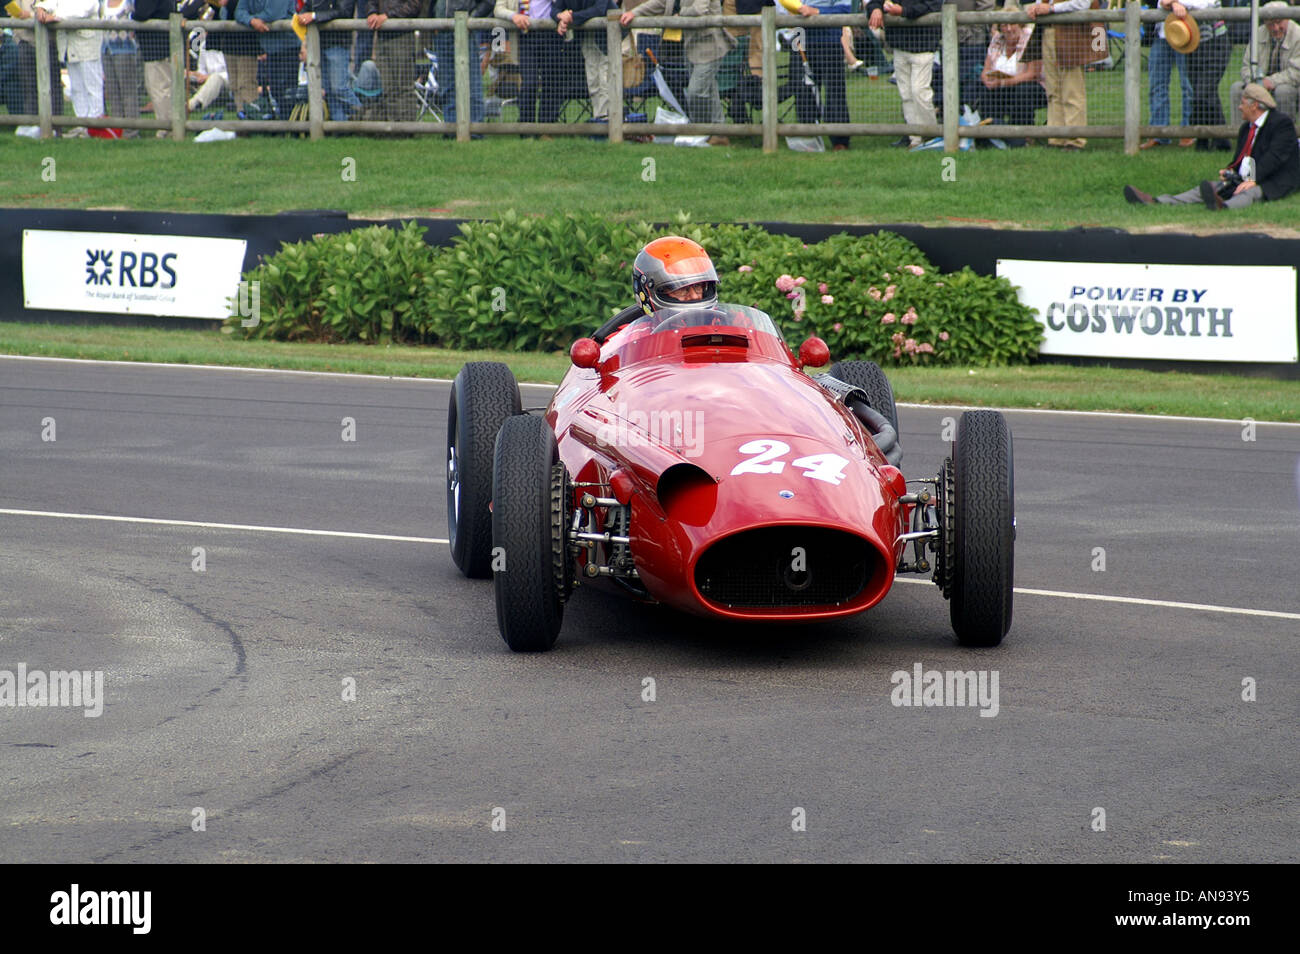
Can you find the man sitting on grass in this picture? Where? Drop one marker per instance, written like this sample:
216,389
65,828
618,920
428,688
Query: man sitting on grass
1267,166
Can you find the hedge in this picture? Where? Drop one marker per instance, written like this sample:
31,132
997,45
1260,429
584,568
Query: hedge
527,283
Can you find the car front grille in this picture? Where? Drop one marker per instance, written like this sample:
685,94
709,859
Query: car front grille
774,567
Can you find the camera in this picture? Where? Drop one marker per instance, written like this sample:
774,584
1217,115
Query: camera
1228,187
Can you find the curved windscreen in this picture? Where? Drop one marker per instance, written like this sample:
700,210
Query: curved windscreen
716,316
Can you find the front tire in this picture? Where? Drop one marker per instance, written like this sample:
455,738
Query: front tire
529,525
483,396
983,529
868,376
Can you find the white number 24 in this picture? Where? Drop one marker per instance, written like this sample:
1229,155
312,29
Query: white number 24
767,456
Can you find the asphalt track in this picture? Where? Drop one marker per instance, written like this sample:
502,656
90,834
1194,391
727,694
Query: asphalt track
223,688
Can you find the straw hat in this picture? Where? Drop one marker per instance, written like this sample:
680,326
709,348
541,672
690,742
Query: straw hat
1183,35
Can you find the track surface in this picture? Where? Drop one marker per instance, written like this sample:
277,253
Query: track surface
224,687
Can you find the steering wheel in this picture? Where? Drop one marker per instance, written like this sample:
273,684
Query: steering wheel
626,316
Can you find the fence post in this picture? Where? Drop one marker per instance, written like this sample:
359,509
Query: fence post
951,77
180,101
614,44
769,78
44,108
1132,75
460,34
315,112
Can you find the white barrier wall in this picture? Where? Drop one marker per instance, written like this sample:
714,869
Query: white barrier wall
1179,312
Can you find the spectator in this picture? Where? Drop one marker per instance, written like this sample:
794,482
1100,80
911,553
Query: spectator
748,91
240,48
1279,63
1267,166
81,50
541,60
1066,48
705,49
1208,49
280,47
335,51
595,55
825,52
27,66
121,59
394,54
914,49
11,81
1161,63
153,54
444,46
1012,82
972,45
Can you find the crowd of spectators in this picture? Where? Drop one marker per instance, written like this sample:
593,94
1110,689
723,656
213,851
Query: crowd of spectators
1007,74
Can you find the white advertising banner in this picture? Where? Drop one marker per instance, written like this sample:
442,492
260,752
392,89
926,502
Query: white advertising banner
183,276
1179,312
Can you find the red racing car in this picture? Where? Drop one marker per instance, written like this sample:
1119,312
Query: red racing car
687,458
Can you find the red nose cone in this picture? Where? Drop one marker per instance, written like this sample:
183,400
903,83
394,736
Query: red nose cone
585,353
813,353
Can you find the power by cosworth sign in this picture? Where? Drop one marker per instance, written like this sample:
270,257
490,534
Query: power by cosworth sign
1180,312
181,276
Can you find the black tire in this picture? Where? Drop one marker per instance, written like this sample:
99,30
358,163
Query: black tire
983,529
868,376
483,396
529,515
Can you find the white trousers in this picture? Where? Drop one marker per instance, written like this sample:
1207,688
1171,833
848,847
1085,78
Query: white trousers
597,63
86,79
913,71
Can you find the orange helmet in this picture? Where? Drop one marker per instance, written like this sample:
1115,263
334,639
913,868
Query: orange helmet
668,265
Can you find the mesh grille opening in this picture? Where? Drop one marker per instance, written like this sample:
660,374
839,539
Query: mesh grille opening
775,567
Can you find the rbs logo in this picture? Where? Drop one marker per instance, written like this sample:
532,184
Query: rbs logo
134,271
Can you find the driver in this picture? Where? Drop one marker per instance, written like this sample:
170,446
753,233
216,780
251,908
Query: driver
671,272
674,272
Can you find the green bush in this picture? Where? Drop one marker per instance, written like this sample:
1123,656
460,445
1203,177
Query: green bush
352,286
537,283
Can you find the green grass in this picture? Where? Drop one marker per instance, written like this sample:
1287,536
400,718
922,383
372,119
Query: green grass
1033,188
1045,386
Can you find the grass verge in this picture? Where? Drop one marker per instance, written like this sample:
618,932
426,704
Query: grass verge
1041,386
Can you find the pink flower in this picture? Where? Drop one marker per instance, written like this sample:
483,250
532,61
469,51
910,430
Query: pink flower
828,299
885,275
943,336
785,283
889,292
821,288
909,317
800,280
925,348
915,269
897,337
838,326
897,353
798,314
889,318
745,268
910,346
874,292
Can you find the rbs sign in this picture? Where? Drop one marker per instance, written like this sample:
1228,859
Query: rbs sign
181,276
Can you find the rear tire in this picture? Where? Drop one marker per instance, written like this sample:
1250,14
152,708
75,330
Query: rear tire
868,376
483,396
983,529
528,534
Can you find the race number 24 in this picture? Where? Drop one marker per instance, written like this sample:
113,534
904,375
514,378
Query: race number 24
767,459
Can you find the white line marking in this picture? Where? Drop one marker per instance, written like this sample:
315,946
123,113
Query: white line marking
1060,594
227,367
530,384
1200,607
221,526
1121,414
